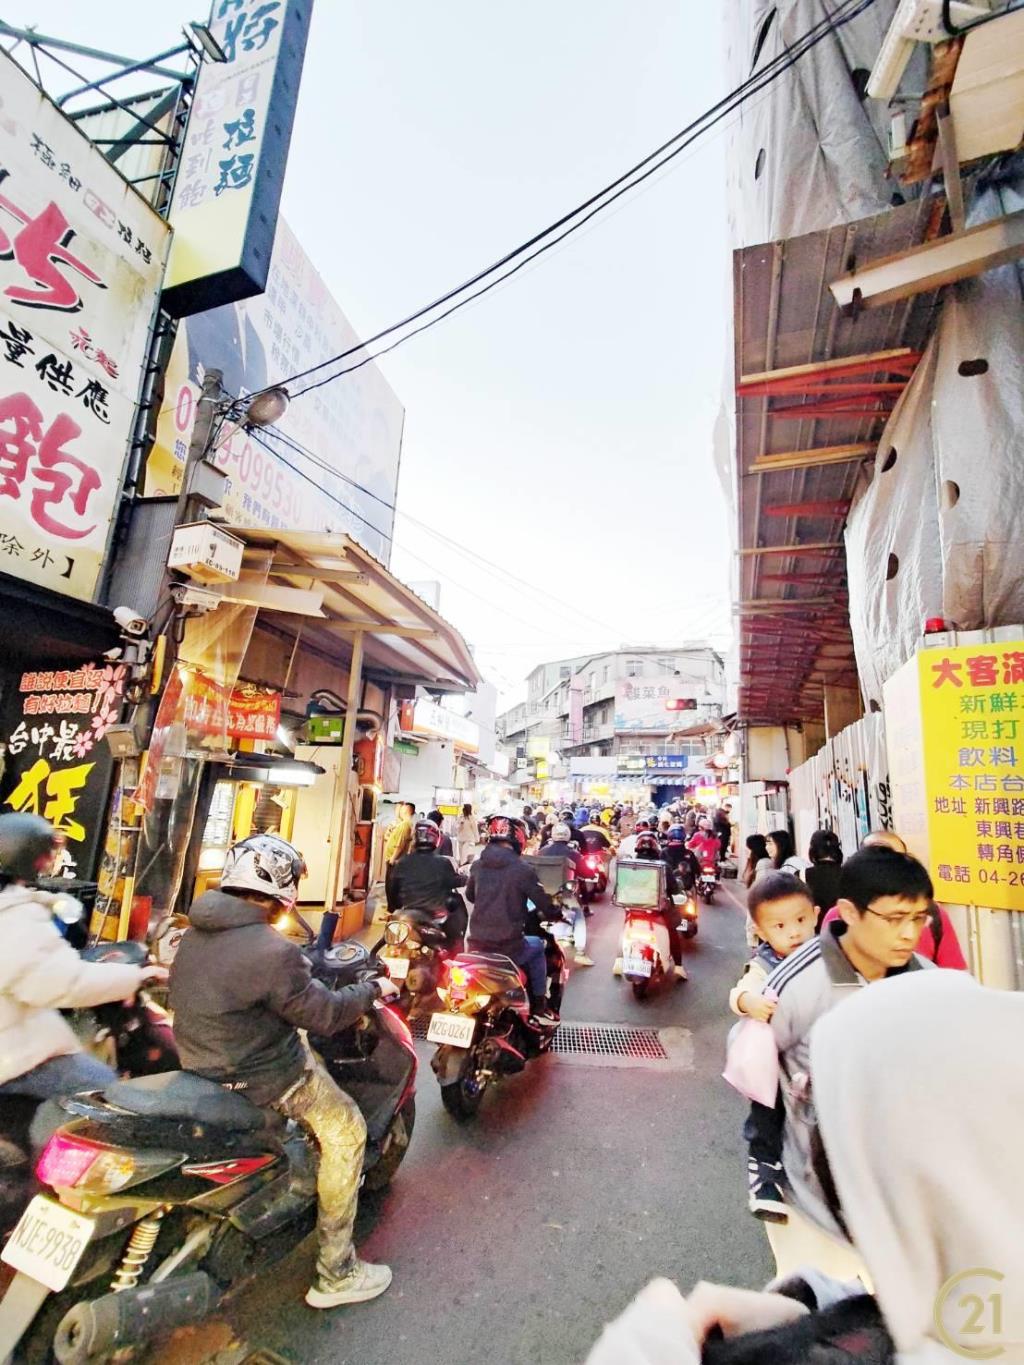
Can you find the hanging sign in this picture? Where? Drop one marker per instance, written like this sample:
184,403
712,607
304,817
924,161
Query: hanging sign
56,764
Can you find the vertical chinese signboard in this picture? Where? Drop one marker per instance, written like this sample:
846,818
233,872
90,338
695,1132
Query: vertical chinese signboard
57,764
955,721
81,259
228,189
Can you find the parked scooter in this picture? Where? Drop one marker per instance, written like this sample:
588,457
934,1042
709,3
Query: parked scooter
646,960
171,1192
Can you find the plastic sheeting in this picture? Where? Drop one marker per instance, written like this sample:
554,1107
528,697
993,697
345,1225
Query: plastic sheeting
844,786
949,506
807,152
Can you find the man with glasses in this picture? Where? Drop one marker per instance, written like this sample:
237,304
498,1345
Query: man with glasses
884,899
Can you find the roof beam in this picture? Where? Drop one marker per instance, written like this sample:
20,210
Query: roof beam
837,507
900,360
822,455
819,547
921,269
383,628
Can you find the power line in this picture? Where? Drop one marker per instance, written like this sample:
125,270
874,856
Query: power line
847,11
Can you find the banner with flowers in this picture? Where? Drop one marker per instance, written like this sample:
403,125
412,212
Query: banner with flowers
56,764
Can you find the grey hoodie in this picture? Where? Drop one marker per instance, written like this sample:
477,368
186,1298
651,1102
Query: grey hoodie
240,991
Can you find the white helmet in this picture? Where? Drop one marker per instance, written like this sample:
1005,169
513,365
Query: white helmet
266,864
560,834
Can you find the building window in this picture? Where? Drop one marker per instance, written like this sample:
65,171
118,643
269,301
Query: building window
605,673
665,666
634,667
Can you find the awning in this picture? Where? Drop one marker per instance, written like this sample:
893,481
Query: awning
814,385
404,639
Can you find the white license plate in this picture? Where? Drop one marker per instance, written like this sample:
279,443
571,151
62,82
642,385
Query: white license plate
398,967
48,1242
638,966
455,1029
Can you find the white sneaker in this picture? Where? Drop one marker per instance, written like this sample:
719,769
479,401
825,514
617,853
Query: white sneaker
363,1282
581,960
681,973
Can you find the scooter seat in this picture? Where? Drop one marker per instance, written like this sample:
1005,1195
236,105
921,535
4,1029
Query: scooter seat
184,1095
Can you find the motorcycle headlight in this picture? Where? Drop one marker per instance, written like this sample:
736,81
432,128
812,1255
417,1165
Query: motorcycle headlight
396,931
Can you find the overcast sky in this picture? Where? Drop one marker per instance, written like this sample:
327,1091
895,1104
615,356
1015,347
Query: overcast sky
561,427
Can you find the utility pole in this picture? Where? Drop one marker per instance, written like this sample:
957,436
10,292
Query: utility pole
340,809
210,402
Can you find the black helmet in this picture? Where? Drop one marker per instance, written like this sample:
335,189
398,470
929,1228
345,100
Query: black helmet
647,846
26,841
426,834
507,829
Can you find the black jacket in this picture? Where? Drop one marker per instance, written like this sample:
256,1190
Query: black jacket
240,991
500,884
421,881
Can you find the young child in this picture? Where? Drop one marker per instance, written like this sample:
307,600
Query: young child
783,916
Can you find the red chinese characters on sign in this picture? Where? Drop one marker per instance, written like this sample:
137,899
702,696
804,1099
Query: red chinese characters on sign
983,670
40,247
37,455
254,715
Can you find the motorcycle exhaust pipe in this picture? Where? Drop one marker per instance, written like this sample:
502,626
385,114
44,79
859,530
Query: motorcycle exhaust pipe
97,1327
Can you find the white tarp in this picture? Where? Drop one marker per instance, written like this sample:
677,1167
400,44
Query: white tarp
949,508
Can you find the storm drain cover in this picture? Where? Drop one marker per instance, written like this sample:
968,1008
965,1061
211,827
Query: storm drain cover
609,1040
419,1026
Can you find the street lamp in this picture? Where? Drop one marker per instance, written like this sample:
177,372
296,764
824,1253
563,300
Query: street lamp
266,407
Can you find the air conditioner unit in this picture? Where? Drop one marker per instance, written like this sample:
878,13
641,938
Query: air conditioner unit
916,21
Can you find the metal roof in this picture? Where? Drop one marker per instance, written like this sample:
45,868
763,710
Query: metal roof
405,639
805,426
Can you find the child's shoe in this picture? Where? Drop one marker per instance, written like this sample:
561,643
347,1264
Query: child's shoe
764,1182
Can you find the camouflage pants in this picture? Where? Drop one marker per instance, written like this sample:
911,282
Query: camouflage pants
324,1110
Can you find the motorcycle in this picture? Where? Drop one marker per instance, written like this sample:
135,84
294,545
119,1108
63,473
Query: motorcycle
708,882
485,1029
567,918
413,951
170,1192
133,1038
594,878
645,960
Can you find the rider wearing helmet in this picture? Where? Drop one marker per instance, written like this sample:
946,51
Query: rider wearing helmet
560,846
40,974
648,847
681,860
426,880
705,843
500,885
444,844
240,992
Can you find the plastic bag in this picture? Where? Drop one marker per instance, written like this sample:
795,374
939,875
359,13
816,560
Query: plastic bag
752,1060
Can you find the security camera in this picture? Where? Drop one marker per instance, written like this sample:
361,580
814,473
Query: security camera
130,621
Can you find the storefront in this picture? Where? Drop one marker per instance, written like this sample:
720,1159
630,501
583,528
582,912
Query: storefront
253,730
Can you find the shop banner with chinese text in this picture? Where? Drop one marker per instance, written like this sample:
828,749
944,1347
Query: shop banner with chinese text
955,726
81,260
57,763
642,703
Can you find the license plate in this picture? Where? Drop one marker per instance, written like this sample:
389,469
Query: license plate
454,1029
48,1242
398,967
638,966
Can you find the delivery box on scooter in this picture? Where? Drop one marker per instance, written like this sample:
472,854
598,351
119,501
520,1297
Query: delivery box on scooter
639,884
552,869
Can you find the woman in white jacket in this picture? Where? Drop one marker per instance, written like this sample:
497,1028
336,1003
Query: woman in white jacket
919,1095
40,974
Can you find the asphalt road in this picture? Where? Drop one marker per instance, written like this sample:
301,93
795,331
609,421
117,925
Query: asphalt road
515,1238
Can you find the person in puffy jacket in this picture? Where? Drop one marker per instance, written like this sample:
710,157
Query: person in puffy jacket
41,974
240,992
705,844
500,887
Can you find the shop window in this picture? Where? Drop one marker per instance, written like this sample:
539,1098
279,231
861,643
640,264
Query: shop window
889,460
759,163
892,568
970,368
950,494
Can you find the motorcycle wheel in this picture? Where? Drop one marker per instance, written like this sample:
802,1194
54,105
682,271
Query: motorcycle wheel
641,989
399,1136
690,930
462,1098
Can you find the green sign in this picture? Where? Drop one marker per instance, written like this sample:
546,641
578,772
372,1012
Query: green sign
325,729
405,746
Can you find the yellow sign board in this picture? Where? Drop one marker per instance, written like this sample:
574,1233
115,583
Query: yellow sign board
955,724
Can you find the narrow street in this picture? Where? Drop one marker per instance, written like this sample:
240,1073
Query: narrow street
513,1239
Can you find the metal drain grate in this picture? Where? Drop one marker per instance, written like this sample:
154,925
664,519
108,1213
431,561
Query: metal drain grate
609,1040
419,1026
